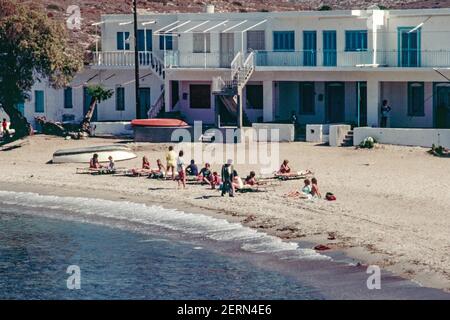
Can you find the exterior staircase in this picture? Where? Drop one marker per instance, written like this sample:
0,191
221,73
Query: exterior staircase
156,110
348,140
156,64
230,91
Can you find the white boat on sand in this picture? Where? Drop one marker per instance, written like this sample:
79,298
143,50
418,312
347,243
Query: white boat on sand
84,155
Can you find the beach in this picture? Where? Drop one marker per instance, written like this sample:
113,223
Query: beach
392,207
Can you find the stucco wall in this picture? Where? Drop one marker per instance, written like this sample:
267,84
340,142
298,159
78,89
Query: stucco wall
405,137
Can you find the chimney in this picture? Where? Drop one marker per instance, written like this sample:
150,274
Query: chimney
209,8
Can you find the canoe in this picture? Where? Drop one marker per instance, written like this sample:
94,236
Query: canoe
84,155
158,123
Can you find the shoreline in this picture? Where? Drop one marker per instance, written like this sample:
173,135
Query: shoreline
381,217
359,255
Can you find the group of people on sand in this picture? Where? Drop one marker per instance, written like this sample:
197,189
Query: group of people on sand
94,164
228,181
310,188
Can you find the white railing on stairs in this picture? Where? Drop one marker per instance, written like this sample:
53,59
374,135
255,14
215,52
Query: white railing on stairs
157,107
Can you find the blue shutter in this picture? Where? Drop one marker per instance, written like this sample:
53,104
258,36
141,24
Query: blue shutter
329,48
283,40
310,48
120,99
149,40
120,41
39,101
141,40
356,40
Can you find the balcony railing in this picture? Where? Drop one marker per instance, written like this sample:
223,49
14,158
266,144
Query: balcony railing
126,59
333,58
329,58
180,59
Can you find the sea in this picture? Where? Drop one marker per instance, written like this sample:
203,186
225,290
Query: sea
66,248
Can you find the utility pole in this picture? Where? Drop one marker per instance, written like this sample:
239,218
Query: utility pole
136,60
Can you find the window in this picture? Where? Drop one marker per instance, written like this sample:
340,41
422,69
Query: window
120,99
200,96
283,40
329,48
123,40
256,40
307,98
68,98
254,96
409,45
202,42
416,93
39,101
169,42
310,48
145,40
356,40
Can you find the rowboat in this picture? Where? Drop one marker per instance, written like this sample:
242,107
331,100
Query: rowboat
84,155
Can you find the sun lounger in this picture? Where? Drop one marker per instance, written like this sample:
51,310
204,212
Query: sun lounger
293,176
99,171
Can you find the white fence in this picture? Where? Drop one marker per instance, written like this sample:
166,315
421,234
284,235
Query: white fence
404,137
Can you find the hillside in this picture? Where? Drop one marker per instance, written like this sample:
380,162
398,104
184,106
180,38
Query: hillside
92,9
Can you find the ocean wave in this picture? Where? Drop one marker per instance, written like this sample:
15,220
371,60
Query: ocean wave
211,228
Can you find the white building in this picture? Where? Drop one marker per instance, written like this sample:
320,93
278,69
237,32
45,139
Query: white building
326,67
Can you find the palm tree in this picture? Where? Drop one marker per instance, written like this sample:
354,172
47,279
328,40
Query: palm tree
98,94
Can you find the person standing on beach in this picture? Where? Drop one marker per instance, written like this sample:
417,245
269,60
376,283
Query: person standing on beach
171,161
385,110
227,178
181,167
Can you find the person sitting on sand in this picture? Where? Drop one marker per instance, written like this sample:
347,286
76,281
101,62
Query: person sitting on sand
94,163
159,172
5,129
146,163
284,169
237,181
111,164
192,169
181,169
305,193
215,180
315,192
205,174
171,161
251,179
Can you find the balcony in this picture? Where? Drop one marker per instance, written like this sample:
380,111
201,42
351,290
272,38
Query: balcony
332,58
291,59
124,59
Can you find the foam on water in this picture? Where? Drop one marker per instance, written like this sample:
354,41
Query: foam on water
188,223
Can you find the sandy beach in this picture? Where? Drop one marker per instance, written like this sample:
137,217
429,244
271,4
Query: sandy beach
392,205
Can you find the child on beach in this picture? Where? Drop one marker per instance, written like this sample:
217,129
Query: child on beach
94,164
171,161
111,164
215,180
181,169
